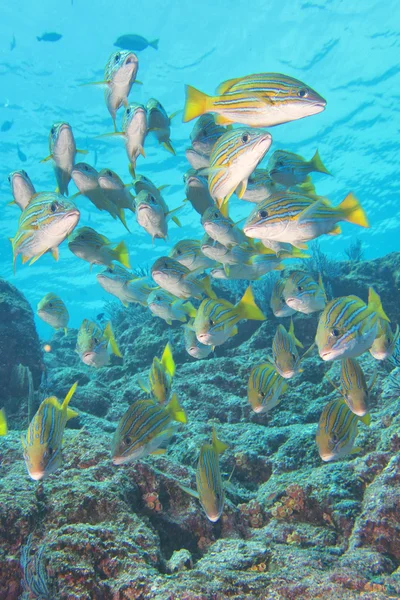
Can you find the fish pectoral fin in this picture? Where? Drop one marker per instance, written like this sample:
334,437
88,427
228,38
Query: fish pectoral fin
55,253
138,82
309,211
241,188
175,114
94,83
189,491
355,450
176,221
162,187
168,146
35,258
206,171
158,451
82,151
111,134
141,151
222,120
47,158
335,231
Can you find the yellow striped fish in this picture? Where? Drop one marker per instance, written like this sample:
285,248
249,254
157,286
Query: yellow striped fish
3,422
347,327
177,279
265,388
153,215
145,429
259,100
277,302
297,218
63,152
192,344
210,487
285,356
22,188
216,320
189,254
168,307
385,343
337,430
125,286
47,220
303,294
52,310
43,443
196,190
233,158
94,344
260,186
222,229
353,386
290,169
96,249
205,133
160,377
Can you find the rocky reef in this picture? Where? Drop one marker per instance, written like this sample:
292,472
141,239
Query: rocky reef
293,527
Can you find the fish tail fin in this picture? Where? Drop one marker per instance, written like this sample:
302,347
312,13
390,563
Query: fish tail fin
108,332
189,309
167,360
291,332
247,308
3,422
176,410
218,446
154,44
318,165
121,254
196,104
352,211
375,303
207,287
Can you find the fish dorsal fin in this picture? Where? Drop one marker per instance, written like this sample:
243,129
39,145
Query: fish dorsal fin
218,446
226,85
69,395
167,360
189,491
309,211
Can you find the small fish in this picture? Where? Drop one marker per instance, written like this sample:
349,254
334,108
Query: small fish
196,159
21,155
337,430
216,320
347,327
3,422
160,377
125,286
47,220
385,343
222,229
115,190
168,307
196,190
354,388
49,37
252,268
145,429
96,249
265,388
63,152
94,344
6,126
205,133
189,254
153,215
177,279
22,188
159,123
144,183
233,158
259,100
52,310
221,254
277,302
290,169
260,186
303,294
134,42
210,487
192,344
285,356
43,442
296,218
13,43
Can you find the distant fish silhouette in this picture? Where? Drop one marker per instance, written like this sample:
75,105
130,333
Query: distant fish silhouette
21,155
13,43
134,42
49,37
6,125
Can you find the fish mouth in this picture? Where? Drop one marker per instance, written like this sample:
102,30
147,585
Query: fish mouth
327,355
287,374
204,338
327,456
118,460
36,475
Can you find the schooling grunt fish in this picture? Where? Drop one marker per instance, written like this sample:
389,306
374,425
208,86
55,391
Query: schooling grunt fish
277,303
216,320
192,345
354,388
347,327
259,100
134,42
96,249
145,429
168,307
303,294
47,220
265,388
205,134
385,343
125,285
160,377
180,281
197,160
260,186
291,169
63,152
22,188
196,190
153,214
285,356
94,344
43,443
159,123
140,182
52,310
115,190
222,229
189,254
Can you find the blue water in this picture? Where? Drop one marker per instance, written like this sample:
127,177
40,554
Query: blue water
347,50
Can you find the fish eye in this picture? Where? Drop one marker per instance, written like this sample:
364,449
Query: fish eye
245,138
128,111
280,163
216,215
212,322
52,130
300,288
24,173
96,341
54,206
334,437
109,173
204,131
108,270
128,441
335,333
179,252
85,168
263,214
152,199
303,93
9,179
50,305
117,57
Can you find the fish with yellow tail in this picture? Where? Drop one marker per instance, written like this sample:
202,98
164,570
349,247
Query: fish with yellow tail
94,345
205,134
22,188
297,219
291,169
159,123
210,487
180,281
337,430
52,310
234,157
385,342
196,190
140,182
216,320
3,422
354,387
348,326
260,186
192,345
146,428
222,229
63,152
303,294
259,100
42,445
115,190
43,225
125,286
153,215
265,388
277,303
168,307
189,254
285,356
96,249
160,377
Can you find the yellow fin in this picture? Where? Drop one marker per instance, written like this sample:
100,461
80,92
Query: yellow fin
55,253
47,158
374,302
94,83
121,254
3,422
168,146
241,188
142,152
174,114
142,385
318,165
167,360
221,120
196,104
335,231
291,332
247,308
176,410
108,333
189,309
226,85
82,152
366,419
218,446
34,259
352,211
207,287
